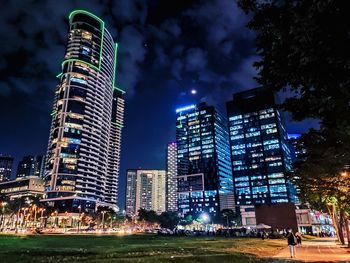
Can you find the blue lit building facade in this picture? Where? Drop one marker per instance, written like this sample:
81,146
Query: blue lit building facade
87,119
204,170
261,154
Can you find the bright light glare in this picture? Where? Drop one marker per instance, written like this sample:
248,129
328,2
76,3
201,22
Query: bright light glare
193,91
205,217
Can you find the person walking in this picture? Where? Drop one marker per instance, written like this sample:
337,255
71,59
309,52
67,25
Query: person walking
291,243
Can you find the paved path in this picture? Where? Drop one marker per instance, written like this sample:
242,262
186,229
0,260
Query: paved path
318,250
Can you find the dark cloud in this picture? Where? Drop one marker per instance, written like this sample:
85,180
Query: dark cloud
131,56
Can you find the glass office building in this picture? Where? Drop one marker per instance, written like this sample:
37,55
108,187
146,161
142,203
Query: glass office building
204,169
260,152
87,120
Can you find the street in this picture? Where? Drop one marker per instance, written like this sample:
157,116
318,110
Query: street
318,250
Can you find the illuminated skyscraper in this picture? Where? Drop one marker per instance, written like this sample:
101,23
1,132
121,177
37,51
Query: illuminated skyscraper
87,119
205,183
171,178
261,155
145,189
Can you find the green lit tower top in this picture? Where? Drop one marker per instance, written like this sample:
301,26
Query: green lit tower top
84,144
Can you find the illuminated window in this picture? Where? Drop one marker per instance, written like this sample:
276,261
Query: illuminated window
268,126
275,175
86,35
271,147
237,137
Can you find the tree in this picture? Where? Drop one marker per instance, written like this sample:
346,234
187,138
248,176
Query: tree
148,216
187,220
321,177
303,46
169,220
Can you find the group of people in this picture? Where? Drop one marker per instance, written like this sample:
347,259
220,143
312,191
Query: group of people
293,241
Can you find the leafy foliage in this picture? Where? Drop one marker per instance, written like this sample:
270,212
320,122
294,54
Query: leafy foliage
303,45
165,219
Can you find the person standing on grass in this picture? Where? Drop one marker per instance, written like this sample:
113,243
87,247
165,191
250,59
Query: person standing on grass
291,243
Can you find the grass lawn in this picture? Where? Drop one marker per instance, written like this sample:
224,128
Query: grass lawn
136,248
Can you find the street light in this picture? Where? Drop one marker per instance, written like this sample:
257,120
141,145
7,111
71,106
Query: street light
79,207
103,219
41,216
206,218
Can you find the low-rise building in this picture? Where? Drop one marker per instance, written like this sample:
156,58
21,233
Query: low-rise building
27,186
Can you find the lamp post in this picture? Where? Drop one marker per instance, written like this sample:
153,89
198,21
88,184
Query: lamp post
24,223
35,208
79,218
103,219
41,216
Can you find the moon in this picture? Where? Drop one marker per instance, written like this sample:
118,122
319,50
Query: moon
193,92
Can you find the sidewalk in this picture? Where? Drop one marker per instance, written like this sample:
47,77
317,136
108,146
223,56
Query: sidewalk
318,250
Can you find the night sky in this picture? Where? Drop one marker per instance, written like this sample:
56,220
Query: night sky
166,49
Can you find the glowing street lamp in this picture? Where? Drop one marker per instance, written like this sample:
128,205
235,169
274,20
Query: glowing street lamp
205,217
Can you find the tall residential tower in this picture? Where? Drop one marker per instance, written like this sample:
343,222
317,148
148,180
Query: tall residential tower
145,189
87,119
204,169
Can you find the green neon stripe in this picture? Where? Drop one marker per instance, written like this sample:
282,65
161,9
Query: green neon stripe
115,68
53,113
118,124
80,11
79,60
122,91
115,62
102,28
59,75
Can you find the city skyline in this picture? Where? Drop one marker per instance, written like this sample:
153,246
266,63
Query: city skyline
194,67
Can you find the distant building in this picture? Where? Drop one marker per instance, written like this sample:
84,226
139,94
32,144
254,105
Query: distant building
171,178
299,150
204,169
31,166
145,189
6,163
21,187
261,154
